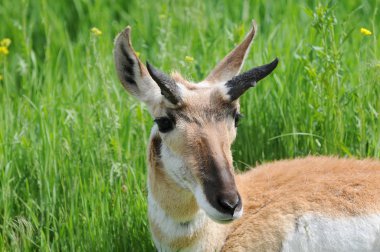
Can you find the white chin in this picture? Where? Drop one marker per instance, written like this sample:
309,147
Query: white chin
238,214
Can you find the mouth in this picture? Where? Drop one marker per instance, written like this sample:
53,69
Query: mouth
214,213
227,219
221,221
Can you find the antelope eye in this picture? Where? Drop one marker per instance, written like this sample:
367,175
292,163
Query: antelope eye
237,117
164,124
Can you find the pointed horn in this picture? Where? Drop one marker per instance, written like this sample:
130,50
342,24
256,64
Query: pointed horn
168,86
241,83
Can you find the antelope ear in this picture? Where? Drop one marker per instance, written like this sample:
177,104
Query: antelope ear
132,73
232,63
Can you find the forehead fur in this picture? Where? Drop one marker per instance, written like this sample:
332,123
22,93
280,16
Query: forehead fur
201,102
203,105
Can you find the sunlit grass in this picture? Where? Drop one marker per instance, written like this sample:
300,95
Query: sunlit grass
73,143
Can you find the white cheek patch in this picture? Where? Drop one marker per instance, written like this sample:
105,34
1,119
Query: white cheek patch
314,232
176,168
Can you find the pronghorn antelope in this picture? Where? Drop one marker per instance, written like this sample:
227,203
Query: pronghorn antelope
196,201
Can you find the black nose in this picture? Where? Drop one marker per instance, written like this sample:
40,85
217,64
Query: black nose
230,203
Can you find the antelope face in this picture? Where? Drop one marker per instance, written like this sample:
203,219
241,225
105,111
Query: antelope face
200,132
196,122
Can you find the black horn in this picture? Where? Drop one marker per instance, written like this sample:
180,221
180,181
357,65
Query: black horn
169,88
242,82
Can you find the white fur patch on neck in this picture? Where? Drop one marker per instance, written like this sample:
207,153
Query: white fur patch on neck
170,227
175,167
315,232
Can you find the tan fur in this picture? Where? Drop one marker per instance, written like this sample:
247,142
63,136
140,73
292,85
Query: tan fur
275,194
177,202
179,205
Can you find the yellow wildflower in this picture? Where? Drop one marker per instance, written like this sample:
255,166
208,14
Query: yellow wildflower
1,77
366,32
4,50
96,31
189,59
5,42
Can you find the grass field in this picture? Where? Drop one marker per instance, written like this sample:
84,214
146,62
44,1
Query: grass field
73,143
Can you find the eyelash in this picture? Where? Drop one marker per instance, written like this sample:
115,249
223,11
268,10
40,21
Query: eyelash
165,124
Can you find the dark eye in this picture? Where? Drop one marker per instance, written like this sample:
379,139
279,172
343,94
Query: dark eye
237,117
164,124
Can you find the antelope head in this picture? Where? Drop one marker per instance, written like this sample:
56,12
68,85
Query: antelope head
197,123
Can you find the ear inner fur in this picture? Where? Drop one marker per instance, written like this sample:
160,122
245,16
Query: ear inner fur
232,63
132,73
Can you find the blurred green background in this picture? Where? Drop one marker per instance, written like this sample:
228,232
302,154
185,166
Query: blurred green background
73,142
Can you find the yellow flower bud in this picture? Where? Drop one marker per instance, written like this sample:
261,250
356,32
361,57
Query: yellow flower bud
365,32
5,42
4,50
189,59
96,31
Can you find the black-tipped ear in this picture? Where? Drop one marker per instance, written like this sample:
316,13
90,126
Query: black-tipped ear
242,82
169,88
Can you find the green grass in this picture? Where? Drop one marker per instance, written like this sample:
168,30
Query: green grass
73,143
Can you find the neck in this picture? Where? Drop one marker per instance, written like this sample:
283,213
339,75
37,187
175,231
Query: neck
175,218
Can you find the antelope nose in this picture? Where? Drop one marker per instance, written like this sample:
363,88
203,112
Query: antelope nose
230,203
